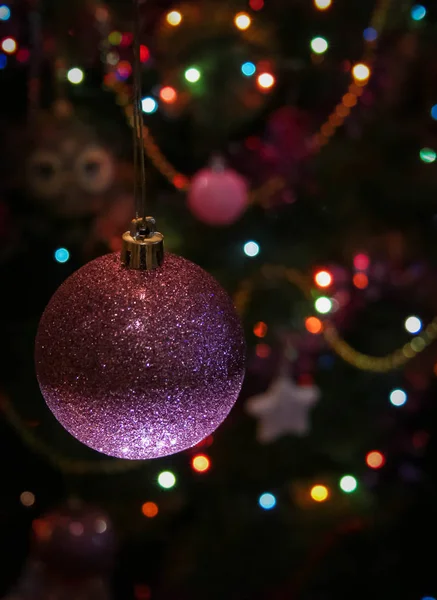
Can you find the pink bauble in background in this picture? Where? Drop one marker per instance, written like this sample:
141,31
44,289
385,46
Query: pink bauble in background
218,196
140,364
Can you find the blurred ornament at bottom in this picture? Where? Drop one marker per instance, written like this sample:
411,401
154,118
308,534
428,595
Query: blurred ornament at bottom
71,557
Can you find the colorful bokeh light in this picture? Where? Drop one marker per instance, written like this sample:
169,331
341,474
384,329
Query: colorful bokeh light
361,72
361,262
265,81
62,255
319,493
168,94
192,75
418,12
201,463
313,325
348,484
166,480
149,105
174,18
375,460
260,329
398,397
75,75
242,21
9,45
248,69
360,281
5,12
323,305
319,45
150,509
413,324
323,279
267,501
251,249
322,4
427,155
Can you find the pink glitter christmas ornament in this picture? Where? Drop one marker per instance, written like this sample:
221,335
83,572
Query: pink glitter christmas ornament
218,196
140,364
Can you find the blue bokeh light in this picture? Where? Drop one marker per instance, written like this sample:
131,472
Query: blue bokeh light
251,249
149,105
267,501
248,69
434,112
428,598
370,34
62,255
5,12
418,12
3,60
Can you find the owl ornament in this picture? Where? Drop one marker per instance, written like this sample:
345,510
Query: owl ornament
73,177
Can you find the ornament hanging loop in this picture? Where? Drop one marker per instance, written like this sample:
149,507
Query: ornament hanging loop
143,246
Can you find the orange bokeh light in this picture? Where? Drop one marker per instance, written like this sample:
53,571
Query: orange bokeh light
168,94
260,329
375,460
323,279
201,463
314,325
361,281
149,509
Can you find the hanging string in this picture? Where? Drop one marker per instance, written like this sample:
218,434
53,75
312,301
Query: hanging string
139,157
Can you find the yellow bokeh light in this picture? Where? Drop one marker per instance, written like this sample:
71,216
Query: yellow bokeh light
174,18
201,463
361,72
319,493
322,4
242,21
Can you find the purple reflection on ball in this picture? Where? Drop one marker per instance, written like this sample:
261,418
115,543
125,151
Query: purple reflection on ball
140,364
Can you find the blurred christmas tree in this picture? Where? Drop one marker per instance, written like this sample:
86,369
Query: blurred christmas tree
292,153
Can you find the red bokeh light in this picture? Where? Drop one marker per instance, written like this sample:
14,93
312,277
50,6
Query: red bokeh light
361,281
361,262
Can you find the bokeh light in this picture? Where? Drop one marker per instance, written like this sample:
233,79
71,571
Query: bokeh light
360,281
150,509
149,105
322,4
418,12
75,75
174,18
348,484
427,155
361,262
323,305
251,249
375,460
398,397
27,499
201,463
370,34
5,12
266,81
434,112
9,45
319,45
319,493
3,60
144,53
192,75
115,38
248,69
242,21
256,4
361,72
267,501
62,255
168,94
263,350
314,325
323,279
260,329
413,324
166,479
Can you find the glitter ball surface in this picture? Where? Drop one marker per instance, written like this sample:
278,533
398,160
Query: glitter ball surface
140,364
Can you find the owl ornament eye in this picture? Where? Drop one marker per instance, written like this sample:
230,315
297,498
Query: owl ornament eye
94,170
44,174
